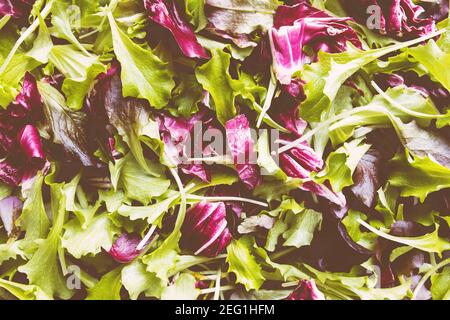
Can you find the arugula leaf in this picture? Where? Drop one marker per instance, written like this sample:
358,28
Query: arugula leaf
152,212
144,75
430,242
418,177
435,60
325,77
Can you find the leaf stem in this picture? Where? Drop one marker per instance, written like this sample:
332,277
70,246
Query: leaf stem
428,275
402,108
144,241
268,101
259,203
211,290
217,285
45,12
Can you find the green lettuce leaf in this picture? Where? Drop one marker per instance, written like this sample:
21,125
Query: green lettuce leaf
301,228
43,268
265,159
98,235
440,285
144,75
137,280
195,9
61,21
34,219
182,289
42,45
325,77
215,78
341,164
11,250
243,263
138,184
379,112
108,288
23,291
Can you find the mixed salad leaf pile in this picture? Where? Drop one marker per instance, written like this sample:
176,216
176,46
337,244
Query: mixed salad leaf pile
114,118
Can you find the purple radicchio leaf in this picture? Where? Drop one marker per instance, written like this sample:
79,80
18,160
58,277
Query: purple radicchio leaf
175,132
10,173
10,209
306,290
205,229
438,10
293,163
399,18
15,130
300,25
235,207
6,143
28,100
25,108
301,161
123,249
165,13
30,142
16,8
241,146
296,89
